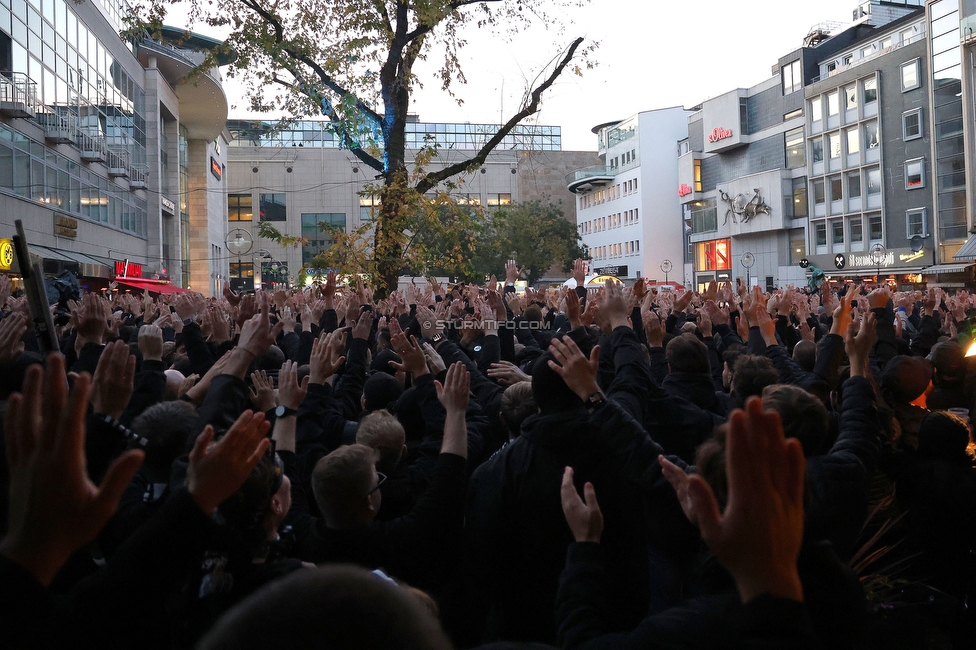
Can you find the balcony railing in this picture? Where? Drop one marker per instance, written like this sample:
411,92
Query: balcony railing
967,29
58,128
865,59
92,147
137,176
18,95
118,163
584,179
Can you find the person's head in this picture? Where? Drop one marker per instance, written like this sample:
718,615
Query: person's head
533,314
259,506
384,433
805,354
381,363
271,361
803,415
379,391
905,379
383,340
751,375
340,607
549,390
948,364
943,435
516,405
686,353
729,357
173,380
344,484
162,431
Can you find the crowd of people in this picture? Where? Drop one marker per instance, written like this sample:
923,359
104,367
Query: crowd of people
469,466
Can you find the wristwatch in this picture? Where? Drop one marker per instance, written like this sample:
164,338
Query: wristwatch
595,400
437,338
283,411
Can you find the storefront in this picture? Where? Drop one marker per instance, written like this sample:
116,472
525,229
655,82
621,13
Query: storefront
713,262
903,268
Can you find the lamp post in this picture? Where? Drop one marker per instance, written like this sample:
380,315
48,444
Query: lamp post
666,266
878,254
747,260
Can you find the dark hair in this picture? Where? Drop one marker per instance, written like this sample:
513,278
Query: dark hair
751,375
165,428
340,607
549,390
943,435
804,416
805,354
685,353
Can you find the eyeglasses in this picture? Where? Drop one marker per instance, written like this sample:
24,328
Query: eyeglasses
381,481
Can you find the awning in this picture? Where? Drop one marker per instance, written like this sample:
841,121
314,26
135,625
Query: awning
968,250
154,287
945,268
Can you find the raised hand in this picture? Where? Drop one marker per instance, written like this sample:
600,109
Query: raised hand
507,373
262,391
287,317
512,272
151,343
455,391
616,308
653,329
324,360
680,482
291,392
759,534
577,371
435,362
111,388
858,341
579,271
411,354
230,296
54,506
12,330
217,471
362,327
585,519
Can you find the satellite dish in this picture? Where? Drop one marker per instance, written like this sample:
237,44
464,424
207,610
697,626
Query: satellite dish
239,242
917,242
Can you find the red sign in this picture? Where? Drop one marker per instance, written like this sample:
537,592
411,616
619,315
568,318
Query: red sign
128,269
683,190
215,168
718,133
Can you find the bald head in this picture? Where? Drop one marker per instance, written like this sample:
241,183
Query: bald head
805,354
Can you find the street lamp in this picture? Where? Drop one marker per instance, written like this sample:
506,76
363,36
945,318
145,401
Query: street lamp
666,267
878,254
748,260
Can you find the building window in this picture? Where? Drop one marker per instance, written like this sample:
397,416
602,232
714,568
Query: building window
853,140
874,181
857,230
495,200
800,197
915,174
798,246
816,109
793,114
317,230
833,104
875,227
704,216
821,230
915,223
816,150
242,269
850,97
871,134
910,77
743,116
794,148
272,207
837,232
818,193
698,176
792,77
714,255
833,145
870,87
836,188
239,207
369,205
885,43
854,185
911,124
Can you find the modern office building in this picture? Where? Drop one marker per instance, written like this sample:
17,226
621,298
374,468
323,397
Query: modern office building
626,209
107,152
298,177
870,163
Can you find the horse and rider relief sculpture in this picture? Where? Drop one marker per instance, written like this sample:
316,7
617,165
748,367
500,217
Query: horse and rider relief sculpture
742,208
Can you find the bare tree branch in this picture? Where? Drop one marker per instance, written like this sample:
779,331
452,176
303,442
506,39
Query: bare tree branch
433,178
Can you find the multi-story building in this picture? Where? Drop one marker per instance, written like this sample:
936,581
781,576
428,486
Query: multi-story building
106,149
869,151
626,210
298,177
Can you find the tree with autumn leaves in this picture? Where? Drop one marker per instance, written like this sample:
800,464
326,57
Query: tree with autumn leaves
352,61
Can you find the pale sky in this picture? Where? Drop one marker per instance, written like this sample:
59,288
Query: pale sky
652,54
